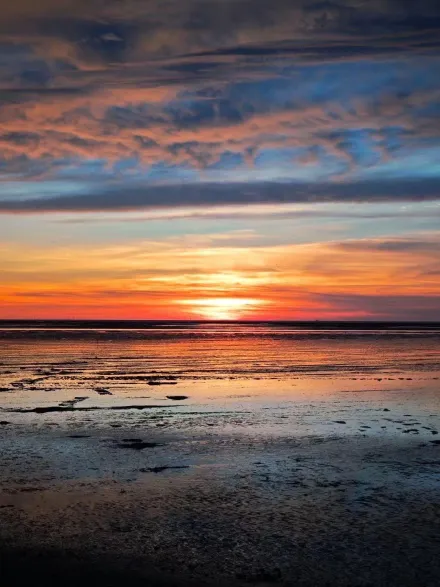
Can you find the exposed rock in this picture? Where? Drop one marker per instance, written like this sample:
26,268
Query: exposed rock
163,468
137,444
103,391
68,403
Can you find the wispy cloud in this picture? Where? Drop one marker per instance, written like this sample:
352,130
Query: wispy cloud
216,91
180,277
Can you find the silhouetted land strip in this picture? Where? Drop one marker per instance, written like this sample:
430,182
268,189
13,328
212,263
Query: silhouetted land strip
149,324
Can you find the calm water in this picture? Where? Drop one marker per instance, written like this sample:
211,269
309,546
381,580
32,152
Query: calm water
40,364
218,351
258,382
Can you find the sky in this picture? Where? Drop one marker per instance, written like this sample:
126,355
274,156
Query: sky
220,159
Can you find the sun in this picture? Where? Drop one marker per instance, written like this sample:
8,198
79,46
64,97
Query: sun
222,308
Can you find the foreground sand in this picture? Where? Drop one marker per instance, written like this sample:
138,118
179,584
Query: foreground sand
297,493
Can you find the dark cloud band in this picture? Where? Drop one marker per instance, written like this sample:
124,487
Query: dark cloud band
125,197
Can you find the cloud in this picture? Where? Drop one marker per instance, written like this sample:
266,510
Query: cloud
309,113
401,307
183,24
126,197
210,84
395,245
370,278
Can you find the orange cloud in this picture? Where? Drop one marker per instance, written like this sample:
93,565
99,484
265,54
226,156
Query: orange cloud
199,277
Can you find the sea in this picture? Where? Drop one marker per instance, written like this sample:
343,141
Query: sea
104,364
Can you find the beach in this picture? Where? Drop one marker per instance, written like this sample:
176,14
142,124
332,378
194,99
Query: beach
220,455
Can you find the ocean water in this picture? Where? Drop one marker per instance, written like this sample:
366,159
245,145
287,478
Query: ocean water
44,363
222,399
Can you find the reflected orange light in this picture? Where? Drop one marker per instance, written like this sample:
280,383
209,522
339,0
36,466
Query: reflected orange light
222,308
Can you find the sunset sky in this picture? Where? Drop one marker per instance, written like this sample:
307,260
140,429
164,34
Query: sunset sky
220,159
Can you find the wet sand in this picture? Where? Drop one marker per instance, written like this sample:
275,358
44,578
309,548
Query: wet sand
340,508
300,480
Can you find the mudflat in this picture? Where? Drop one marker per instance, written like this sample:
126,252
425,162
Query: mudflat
326,472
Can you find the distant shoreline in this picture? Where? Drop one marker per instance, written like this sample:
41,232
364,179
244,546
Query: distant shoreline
148,324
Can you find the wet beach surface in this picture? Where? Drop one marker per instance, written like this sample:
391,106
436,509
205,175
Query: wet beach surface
273,458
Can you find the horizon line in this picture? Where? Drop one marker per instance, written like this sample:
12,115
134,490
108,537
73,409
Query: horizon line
49,321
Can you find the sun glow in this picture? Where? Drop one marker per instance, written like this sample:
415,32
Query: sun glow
222,308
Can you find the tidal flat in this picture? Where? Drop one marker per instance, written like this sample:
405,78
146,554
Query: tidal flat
280,455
